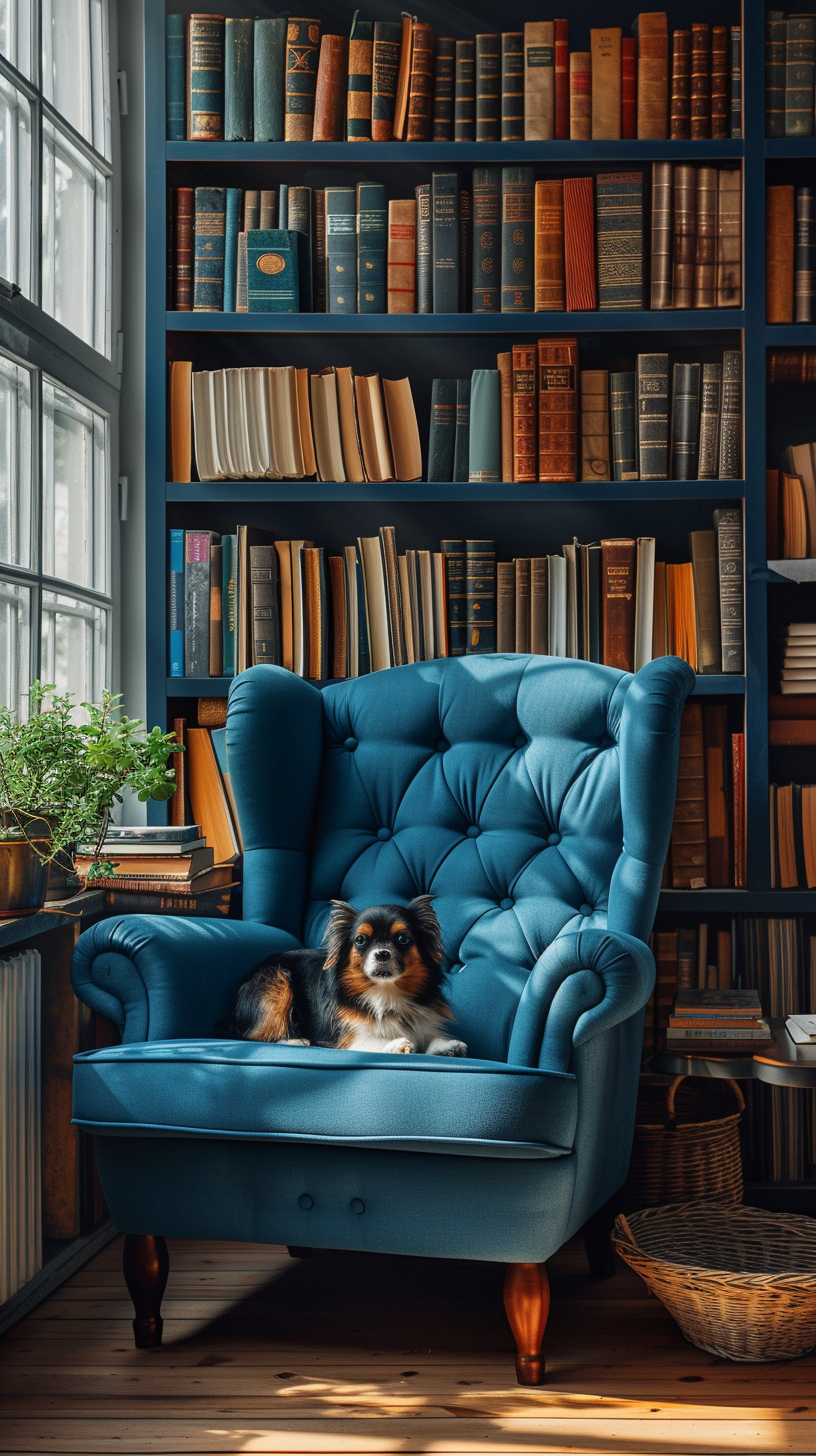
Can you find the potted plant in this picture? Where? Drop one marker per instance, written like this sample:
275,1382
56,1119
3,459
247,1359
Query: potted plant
59,782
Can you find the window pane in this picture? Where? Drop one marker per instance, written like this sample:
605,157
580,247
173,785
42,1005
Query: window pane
75,66
15,643
75,524
75,240
15,33
15,463
74,646
15,187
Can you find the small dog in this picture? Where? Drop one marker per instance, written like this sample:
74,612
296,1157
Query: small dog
377,986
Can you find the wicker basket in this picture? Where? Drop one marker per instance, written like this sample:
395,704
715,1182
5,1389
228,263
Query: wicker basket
685,1147
740,1282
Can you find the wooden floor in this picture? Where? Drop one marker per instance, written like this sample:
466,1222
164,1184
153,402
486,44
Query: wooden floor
345,1353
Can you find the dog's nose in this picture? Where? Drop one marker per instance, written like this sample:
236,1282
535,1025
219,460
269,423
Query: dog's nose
382,955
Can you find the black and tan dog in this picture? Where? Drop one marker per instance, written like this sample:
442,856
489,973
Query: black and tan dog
376,987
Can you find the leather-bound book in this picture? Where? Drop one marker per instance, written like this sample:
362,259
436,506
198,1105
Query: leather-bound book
685,223
239,38
464,112
505,606
689,836
705,247
522,569
487,239
731,568
442,438
488,87
465,250
241,305
539,603
549,286
181,419
205,78
319,249
517,257
208,259
252,212
300,221
680,105
373,243
779,254
266,644
484,449
360,68
268,78
424,250
420,94
652,402
169,247
579,243
331,87
800,44
453,553
703,546
700,81
446,242
595,461
580,96
504,364
268,217
480,580
628,88
605,51
738,797
620,240
302,41
444,85
557,408
803,273
402,256
385,63
652,33
720,82
317,613
461,448
341,250
662,190
729,239
403,78
512,86
731,417
618,567
622,418
525,421
685,421
709,447
539,81
716,739
561,80
183,250
736,83
775,31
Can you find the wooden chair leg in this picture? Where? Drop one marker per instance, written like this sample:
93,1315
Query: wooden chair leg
527,1302
146,1264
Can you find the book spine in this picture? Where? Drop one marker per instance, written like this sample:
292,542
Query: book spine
302,42
561,81
175,65
216,644
420,94
372,249
595,425
487,225
803,256
539,81
484,448
580,96
197,603
175,604
728,525
465,250
705,245
443,104
269,73
736,82
689,840
341,250
512,86
685,421
779,254
300,222
424,250
680,108
579,243
360,67
241,275
464,112
549,287
252,210
557,409
685,223
653,77
229,553
622,410
731,417
620,240
505,606
402,256
208,264
231,225
729,240
481,596
461,448
184,248
525,423
442,437
319,249
539,595
517,186
662,188
488,87
205,78
706,600
263,567
453,553
605,52
652,386
238,70
505,367
709,449
775,30
618,568
445,241
628,88
800,43
170,244
330,89
700,81
522,571
720,68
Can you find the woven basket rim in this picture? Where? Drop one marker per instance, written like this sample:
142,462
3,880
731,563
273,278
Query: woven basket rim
794,1223
688,1126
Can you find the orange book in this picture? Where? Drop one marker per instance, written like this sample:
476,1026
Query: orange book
181,419
682,614
208,797
402,256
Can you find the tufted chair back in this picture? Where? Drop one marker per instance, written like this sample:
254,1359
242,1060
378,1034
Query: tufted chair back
530,795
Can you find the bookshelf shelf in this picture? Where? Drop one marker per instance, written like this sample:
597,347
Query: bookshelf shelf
294,491
793,147
218,687
463,153
791,335
667,321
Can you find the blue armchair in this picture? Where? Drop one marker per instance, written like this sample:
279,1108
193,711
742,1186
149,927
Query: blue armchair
533,798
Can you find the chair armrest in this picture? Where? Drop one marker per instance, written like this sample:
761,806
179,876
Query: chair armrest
583,984
164,977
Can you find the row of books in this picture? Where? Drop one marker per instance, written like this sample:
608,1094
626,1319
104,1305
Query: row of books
707,847
790,53
717,1023
282,79
790,254
798,660
692,958
245,598
187,869
791,366
793,836
20,1121
507,244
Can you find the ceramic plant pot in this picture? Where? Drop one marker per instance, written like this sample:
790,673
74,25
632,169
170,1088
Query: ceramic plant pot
23,876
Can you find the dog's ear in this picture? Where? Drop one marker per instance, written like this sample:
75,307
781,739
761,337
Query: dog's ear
339,924
425,917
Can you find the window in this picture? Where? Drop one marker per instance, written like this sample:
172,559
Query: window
58,396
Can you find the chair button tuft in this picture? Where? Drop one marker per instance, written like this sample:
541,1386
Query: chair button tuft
305,1200
442,746
554,838
520,740
473,831
357,1205
507,904
586,909
383,834
350,744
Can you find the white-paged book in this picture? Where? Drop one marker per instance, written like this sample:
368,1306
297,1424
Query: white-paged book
801,1029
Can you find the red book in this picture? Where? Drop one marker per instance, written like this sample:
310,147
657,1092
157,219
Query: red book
185,227
738,763
629,88
562,126
579,243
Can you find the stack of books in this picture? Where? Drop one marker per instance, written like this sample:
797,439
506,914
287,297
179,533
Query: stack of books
790,44
798,653
790,252
161,870
717,1023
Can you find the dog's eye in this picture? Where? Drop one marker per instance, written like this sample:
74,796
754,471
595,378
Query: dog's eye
361,940
403,940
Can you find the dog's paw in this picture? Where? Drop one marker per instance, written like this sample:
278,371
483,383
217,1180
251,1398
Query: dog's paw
294,1041
439,1047
399,1044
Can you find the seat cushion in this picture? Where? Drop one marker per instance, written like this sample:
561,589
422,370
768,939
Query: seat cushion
310,1094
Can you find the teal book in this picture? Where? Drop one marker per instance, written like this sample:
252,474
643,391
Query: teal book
484,445
205,78
453,558
208,255
480,601
302,49
486,239
272,271
229,601
299,220
622,410
461,447
283,205
232,227
175,68
341,249
517,256
424,250
219,743
269,66
175,605
372,245
442,441
197,602
239,37
446,242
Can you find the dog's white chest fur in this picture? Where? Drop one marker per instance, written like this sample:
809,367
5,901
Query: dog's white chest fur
398,1026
